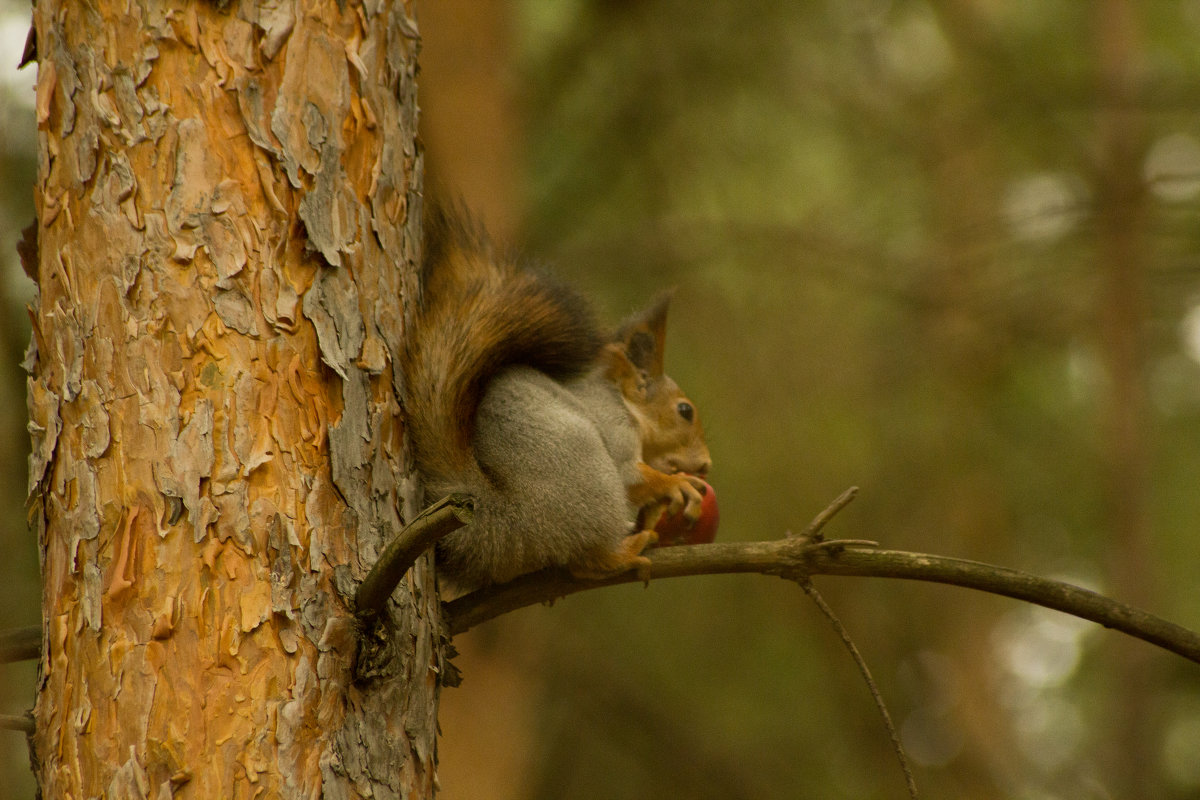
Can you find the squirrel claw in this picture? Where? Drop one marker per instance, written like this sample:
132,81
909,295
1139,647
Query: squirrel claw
683,497
691,493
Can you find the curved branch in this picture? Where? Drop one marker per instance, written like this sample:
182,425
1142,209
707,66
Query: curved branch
438,520
798,557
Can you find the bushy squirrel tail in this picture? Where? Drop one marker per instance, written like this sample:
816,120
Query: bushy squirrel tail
480,313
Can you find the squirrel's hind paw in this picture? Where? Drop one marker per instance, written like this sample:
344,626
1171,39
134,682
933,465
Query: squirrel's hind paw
603,563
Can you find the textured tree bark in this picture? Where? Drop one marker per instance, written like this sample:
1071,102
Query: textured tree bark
228,211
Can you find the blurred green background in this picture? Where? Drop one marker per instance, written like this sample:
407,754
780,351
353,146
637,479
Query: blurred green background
946,251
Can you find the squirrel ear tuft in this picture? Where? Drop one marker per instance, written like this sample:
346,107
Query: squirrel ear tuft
644,335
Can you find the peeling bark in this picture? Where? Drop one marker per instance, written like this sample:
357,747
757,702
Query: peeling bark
228,206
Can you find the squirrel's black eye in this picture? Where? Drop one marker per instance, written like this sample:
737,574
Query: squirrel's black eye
686,411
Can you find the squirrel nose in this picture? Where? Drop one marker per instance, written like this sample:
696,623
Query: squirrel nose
698,467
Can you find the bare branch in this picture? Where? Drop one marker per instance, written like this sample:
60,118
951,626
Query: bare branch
796,558
17,722
20,644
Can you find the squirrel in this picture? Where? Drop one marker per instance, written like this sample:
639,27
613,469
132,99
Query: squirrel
568,439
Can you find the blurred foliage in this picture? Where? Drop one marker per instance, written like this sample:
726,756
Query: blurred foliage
892,226
19,584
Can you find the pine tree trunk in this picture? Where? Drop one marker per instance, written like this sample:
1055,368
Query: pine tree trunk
228,209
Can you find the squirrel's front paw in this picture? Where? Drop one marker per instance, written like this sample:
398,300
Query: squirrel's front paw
678,493
685,496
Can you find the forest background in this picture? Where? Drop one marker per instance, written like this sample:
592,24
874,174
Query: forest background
944,250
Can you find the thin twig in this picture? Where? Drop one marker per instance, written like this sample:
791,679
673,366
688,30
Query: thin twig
865,671
443,517
813,531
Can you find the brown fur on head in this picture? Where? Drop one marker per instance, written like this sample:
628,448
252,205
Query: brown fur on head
672,437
